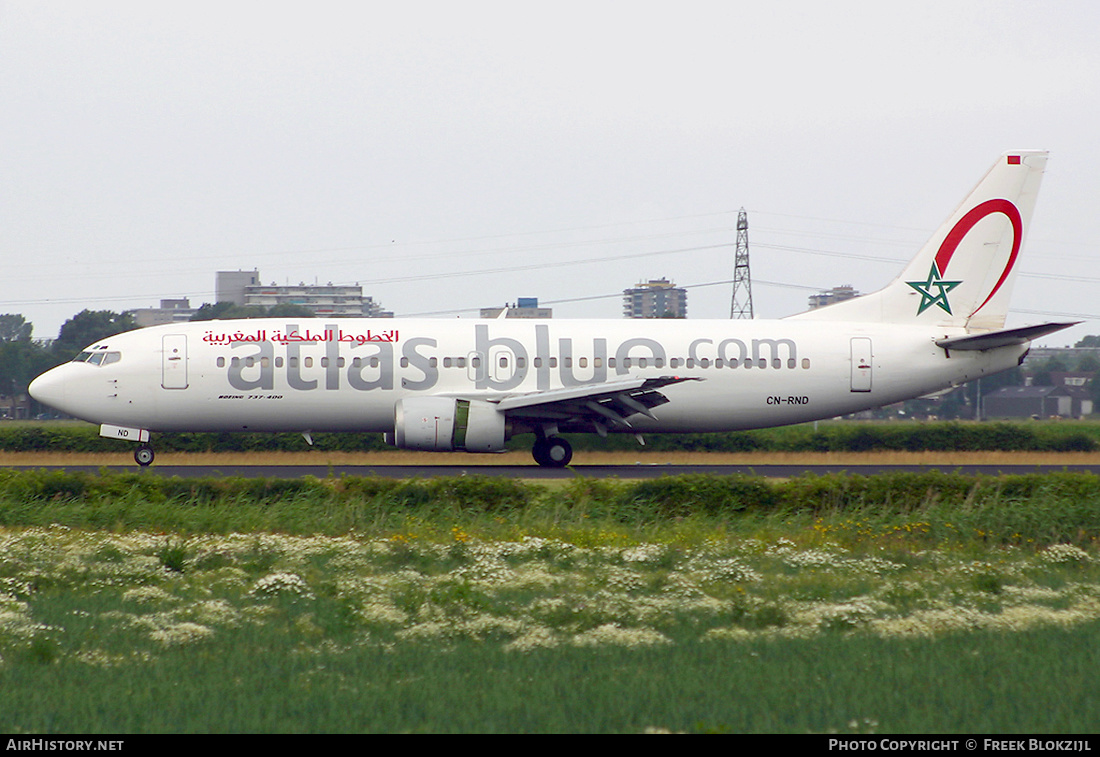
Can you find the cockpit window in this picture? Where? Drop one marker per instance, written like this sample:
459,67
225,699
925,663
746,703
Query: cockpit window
98,358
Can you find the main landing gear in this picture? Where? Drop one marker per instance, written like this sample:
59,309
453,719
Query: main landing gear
552,452
144,454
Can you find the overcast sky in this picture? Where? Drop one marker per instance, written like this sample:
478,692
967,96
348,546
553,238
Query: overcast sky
454,155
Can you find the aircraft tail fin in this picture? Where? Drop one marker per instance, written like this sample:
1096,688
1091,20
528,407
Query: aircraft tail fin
963,275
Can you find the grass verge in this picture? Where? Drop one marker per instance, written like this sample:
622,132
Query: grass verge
899,604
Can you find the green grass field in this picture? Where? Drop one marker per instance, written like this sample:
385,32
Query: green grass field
836,605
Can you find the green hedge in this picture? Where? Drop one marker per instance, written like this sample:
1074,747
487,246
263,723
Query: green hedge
1041,507
844,436
68,437
668,495
944,436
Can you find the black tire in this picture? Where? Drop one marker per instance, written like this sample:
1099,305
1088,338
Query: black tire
552,452
539,453
144,455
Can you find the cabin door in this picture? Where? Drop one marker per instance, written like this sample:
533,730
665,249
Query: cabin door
861,364
173,363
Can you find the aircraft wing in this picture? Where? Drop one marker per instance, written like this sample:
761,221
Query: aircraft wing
612,402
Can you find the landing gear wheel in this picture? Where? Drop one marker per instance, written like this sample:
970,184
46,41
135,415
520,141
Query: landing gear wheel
539,453
144,455
552,452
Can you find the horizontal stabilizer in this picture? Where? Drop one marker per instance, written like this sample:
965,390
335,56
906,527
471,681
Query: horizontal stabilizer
1003,338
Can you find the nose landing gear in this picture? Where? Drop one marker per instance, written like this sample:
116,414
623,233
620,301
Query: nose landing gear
143,455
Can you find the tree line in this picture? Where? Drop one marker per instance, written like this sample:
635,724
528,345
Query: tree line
23,357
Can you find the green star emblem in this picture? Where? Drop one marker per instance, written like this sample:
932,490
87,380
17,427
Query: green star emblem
933,291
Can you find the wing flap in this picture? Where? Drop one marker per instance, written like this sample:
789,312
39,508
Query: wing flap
613,401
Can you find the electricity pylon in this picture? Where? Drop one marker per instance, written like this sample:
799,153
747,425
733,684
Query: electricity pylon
741,304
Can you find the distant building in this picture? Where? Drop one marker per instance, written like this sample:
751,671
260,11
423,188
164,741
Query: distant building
836,294
372,309
15,406
1037,402
170,311
1069,355
657,298
1072,378
327,300
229,286
524,307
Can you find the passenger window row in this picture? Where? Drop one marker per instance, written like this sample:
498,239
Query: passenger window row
475,362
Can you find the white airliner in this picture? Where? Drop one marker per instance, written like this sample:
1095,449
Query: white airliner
443,385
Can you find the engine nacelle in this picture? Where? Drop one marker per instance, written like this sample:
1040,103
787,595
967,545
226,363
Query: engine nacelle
442,424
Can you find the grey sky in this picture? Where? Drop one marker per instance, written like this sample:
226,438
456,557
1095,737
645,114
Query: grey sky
453,155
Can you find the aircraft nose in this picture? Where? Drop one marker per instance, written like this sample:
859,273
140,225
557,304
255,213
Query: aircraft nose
49,388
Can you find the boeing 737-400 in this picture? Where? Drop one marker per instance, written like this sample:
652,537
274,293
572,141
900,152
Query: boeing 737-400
458,384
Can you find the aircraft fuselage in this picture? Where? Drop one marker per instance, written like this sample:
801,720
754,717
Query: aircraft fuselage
348,375
470,384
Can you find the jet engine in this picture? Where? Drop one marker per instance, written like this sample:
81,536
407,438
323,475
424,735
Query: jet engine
442,424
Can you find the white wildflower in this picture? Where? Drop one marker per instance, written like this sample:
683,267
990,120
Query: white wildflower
1063,554
731,570
813,558
11,587
217,611
538,637
840,616
930,623
275,584
643,553
146,594
100,659
15,622
613,634
383,613
782,546
733,633
434,629
181,633
622,580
